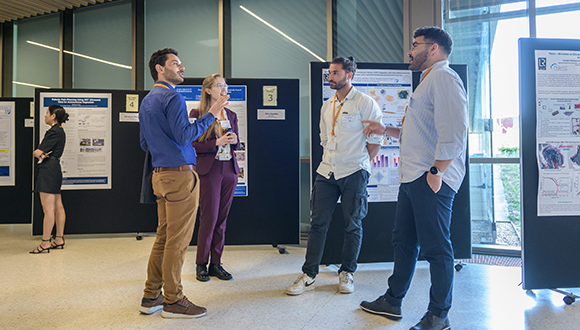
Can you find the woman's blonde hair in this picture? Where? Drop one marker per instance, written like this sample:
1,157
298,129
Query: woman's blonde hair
205,105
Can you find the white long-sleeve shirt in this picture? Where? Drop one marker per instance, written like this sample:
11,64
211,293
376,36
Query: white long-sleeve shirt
350,153
435,127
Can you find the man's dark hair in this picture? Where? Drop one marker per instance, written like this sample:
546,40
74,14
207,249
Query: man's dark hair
159,57
436,35
347,63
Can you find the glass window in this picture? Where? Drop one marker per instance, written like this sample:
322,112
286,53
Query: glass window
279,41
190,27
549,3
495,204
486,39
371,31
35,55
102,46
559,24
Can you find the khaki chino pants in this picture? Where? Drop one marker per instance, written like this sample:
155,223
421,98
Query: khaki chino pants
177,195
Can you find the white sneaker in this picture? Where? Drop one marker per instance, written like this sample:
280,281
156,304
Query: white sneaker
345,282
302,283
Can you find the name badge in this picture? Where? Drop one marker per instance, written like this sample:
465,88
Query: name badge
224,157
225,123
330,145
348,119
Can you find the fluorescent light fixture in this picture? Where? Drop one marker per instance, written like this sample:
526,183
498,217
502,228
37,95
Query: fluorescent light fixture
283,34
27,84
80,55
42,45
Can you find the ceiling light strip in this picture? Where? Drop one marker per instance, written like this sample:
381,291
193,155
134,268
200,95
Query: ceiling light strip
80,55
283,34
27,84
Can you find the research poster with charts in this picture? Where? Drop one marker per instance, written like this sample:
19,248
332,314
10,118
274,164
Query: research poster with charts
238,104
86,160
391,89
7,144
558,132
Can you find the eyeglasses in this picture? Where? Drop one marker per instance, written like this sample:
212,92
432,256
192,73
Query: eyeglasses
221,86
421,43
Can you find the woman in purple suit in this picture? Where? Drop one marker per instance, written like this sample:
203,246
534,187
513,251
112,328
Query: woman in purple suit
218,174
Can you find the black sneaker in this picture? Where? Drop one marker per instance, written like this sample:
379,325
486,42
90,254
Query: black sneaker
201,273
218,271
382,307
432,322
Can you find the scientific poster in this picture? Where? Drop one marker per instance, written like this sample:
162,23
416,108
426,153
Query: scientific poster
391,89
558,132
7,144
238,104
86,161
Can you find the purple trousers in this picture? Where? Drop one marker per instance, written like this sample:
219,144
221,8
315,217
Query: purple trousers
216,194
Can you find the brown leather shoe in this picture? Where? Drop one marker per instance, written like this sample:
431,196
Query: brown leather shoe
183,309
150,306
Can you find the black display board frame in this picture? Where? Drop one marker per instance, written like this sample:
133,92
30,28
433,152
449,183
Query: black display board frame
549,243
270,214
17,199
100,211
378,224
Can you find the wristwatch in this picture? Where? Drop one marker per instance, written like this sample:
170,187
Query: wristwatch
435,171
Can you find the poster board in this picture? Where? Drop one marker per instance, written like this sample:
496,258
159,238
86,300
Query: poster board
114,210
270,213
378,224
238,103
17,196
549,114
86,160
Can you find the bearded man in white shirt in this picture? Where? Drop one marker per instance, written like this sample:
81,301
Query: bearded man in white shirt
432,144
343,173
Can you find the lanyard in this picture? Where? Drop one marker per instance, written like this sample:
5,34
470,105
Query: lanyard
425,75
335,115
160,85
218,122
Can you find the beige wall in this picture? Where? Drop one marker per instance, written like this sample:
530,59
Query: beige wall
419,13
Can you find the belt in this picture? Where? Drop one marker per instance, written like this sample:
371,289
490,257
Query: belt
176,168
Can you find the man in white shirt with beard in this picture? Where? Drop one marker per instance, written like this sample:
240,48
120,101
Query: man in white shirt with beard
344,172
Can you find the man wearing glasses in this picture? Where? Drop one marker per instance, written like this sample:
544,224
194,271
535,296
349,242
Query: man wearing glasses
431,169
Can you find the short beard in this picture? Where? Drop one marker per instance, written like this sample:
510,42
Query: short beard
418,61
337,86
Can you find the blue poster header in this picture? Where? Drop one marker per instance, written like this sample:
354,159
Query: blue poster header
77,102
189,93
193,93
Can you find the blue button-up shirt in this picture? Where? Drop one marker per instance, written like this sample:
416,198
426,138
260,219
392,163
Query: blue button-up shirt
165,128
435,127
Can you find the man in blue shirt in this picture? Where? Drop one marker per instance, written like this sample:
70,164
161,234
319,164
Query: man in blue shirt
432,143
168,134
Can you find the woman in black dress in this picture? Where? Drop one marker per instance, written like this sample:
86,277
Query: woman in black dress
50,178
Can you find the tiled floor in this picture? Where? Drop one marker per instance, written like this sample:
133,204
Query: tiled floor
96,282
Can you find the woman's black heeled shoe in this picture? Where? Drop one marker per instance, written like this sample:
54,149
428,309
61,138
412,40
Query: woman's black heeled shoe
202,274
53,245
40,249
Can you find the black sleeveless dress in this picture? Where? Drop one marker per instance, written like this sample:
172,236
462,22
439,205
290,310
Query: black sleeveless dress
49,178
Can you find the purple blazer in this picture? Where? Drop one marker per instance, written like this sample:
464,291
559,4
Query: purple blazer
207,150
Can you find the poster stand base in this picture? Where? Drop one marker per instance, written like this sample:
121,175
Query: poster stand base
569,297
281,248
